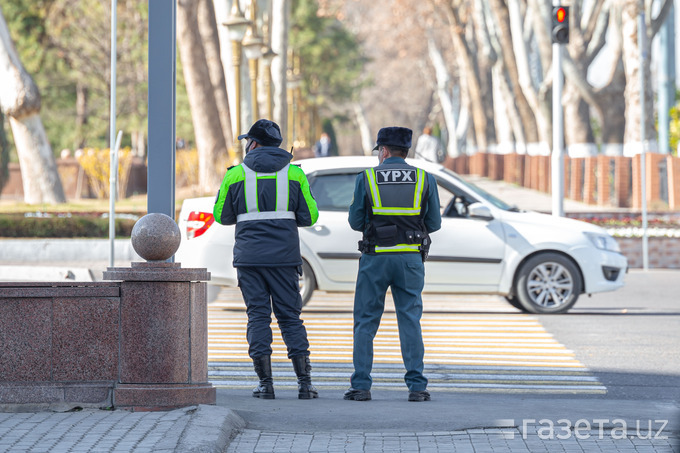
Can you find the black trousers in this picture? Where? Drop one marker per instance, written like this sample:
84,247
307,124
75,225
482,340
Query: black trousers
277,288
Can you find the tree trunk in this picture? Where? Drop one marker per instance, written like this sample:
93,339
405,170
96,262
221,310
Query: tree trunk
456,28
538,104
20,101
442,75
631,62
207,26
212,149
367,142
4,153
509,127
81,114
578,133
484,59
138,143
281,10
38,168
528,120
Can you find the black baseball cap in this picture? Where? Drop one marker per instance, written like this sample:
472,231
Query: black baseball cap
264,132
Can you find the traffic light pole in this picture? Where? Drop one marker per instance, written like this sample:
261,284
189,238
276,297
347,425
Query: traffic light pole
557,161
642,33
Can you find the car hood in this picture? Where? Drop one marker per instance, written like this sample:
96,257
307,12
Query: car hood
549,221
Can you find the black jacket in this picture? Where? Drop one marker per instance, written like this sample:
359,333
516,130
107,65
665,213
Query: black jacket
272,242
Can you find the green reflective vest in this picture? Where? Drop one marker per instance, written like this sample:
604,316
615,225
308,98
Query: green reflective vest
250,190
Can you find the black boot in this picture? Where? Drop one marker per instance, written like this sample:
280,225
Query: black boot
263,368
306,391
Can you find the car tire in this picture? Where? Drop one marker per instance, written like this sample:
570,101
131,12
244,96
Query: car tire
548,283
514,301
307,282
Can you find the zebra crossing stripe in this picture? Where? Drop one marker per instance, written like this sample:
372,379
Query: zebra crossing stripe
464,352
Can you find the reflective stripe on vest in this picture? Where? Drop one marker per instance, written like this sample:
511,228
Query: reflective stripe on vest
376,204
398,248
250,191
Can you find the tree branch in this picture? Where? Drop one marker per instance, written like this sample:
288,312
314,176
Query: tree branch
579,81
598,38
661,17
593,19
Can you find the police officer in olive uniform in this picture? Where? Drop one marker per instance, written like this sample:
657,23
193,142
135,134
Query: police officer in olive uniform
396,206
268,199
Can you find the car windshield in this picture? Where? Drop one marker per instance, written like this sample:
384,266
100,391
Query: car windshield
480,192
333,191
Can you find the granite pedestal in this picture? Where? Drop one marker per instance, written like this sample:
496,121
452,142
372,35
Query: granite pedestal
164,337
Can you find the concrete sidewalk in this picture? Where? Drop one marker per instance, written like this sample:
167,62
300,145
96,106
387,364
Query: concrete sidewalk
532,200
191,429
327,425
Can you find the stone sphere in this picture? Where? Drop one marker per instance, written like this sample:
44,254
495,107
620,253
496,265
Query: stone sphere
155,237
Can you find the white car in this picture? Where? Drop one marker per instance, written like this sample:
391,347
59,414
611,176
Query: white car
540,263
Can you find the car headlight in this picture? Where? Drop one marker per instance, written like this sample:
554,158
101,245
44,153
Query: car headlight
603,241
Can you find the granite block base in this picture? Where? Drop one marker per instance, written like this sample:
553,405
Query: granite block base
54,396
153,397
138,344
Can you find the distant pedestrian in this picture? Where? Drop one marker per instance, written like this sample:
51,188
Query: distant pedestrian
268,198
396,206
428,147
322,148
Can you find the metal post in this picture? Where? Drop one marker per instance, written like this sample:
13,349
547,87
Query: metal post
236,62
113,184
642,32
112,125
162,72
557,161
268,89
666,79
253,73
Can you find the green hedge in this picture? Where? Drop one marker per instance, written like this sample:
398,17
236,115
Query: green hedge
20,226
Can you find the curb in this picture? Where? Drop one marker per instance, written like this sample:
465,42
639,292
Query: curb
210,429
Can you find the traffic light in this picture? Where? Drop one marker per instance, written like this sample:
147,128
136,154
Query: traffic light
560,25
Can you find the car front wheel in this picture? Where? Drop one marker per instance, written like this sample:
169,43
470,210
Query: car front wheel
307,282
548,283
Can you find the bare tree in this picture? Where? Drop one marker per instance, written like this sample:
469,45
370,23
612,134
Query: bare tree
207,25
501,22
443,86
212,149
468,65
631,64
578,133
621,91
20,101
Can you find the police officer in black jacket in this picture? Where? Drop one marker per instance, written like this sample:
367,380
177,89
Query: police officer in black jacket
268,198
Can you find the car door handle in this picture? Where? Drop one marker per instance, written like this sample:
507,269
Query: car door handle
321,230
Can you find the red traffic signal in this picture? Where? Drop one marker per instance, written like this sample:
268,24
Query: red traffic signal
560,25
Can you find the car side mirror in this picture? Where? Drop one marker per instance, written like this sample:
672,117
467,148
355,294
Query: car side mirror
479,211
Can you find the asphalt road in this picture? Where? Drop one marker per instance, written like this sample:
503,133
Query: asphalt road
628,339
